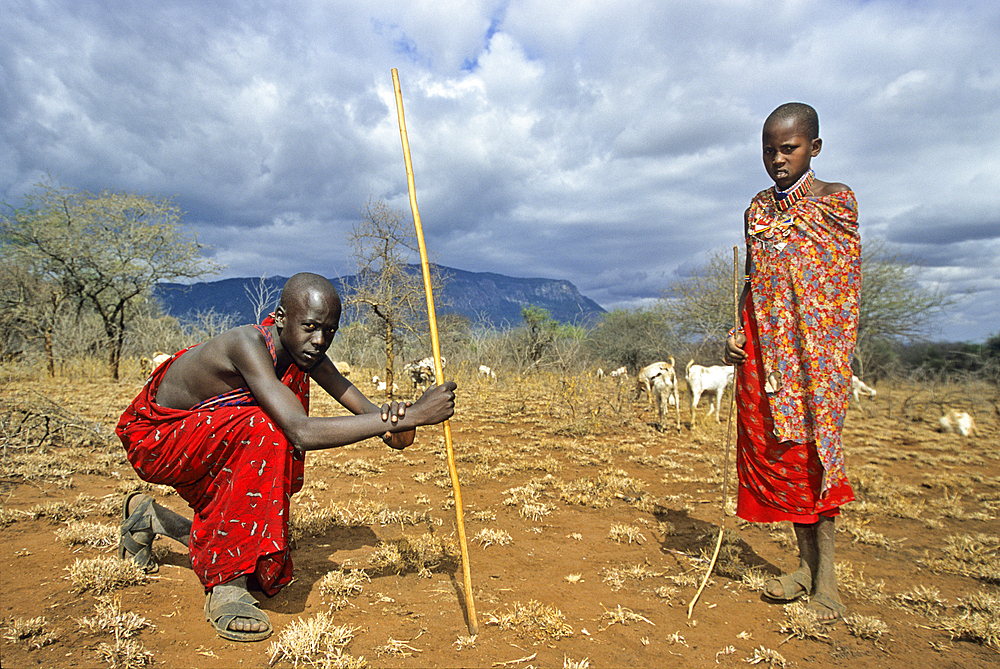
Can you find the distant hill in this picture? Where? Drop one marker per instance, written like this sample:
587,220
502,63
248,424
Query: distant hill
482,297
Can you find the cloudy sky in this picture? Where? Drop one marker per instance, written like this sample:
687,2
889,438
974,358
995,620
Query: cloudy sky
612,143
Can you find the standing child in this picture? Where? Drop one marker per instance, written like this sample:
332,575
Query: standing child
793,354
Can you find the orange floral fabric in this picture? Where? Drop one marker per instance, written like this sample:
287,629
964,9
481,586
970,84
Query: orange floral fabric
805,283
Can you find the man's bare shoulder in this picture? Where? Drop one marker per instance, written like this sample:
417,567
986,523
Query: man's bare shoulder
213,367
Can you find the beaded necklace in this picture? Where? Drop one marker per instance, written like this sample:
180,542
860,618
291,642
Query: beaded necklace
773,235
785,199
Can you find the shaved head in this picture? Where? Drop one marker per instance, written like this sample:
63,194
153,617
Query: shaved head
304,283
801,114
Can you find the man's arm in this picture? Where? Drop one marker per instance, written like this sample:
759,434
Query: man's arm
278,401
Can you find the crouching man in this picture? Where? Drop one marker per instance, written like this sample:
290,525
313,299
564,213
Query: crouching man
226,423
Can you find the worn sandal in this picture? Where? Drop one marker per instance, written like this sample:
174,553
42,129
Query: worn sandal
244,607
829,603
793,585
135,541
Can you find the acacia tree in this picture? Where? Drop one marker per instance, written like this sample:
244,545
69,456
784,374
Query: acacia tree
388,297
894,306
699,307
633,338
108,251
31,308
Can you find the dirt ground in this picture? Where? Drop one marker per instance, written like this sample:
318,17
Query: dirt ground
588,532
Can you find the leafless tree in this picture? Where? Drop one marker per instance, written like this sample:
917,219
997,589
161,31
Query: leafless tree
389,298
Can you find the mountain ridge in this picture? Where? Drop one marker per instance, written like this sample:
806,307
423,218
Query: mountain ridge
485,298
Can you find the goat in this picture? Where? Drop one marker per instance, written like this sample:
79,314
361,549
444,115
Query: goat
422,372
859,388
487,373
664,390
619,373
149,365
381,385
957,422
704,379
647,374
600,372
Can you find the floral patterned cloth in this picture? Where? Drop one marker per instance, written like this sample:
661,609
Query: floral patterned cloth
778,480
233,466
805,282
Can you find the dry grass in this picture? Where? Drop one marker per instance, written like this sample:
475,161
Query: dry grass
95,535
104,574
626,533
32,631
801,623
315,641
533,620
765,655
488,537
338,586
109,618
422,554
866,627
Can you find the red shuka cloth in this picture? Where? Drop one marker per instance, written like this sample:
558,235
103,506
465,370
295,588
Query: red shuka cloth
234,467
777,480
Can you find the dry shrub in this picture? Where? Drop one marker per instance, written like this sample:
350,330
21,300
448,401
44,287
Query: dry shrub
754,579
617,577
109,618
856,585
489,537
576,664
922,599
978,621
772,657
973,555
801,623
125,654
340,585
629,533
423,554
316,641
30,630
104,574
534,620
95,535
622,616
598,493
358,467
866,627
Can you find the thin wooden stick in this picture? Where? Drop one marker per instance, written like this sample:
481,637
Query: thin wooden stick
729,431
470,605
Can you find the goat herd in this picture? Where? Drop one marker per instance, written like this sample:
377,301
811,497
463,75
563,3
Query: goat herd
658,380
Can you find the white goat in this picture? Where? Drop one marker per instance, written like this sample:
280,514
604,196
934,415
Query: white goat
620,373
487,373
647,374
859,388
957,422
600,372
381,385
422,372
664,391
708,379
149,365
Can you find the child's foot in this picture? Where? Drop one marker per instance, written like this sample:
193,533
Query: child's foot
826,608
789,587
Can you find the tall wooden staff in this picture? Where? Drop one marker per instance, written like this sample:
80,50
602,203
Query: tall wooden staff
470,605
729,430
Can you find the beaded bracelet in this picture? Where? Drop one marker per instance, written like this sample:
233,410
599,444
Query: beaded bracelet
746,278
735,330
